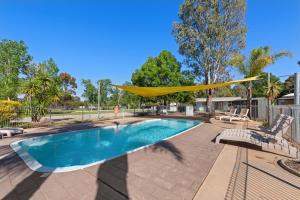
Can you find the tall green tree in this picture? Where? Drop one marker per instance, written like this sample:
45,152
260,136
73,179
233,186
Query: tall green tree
254,65
90,91
42,88
163,70
14,60
128,99
115,96
224,92
208,33
105,91
69,86
288,85
239,90
186,79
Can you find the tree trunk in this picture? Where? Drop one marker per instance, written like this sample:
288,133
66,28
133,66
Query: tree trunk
34,115
165,102
249,98
209,107
208,95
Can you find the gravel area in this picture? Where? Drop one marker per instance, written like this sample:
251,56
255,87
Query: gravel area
293,164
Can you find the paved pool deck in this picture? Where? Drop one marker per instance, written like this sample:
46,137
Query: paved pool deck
172,169
245,172
188,166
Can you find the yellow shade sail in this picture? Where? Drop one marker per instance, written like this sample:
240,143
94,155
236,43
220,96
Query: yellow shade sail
159,91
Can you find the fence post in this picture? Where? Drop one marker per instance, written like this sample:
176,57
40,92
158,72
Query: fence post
90,113
297,103
269,100
99,96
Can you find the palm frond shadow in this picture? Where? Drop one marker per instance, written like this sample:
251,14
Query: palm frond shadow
112,175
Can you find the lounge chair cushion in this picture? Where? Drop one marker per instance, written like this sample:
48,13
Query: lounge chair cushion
11,131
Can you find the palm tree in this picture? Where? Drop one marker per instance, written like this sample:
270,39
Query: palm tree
30,89
273,91
258,60
45,81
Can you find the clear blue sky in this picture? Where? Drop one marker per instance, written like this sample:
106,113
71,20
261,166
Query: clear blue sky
112,38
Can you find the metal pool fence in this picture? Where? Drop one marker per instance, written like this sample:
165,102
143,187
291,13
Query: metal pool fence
23,116
294,132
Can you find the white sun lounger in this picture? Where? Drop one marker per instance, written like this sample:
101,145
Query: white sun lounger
237,117
8,132
274,142
231,112
278,126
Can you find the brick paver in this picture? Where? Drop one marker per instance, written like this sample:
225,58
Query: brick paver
172,169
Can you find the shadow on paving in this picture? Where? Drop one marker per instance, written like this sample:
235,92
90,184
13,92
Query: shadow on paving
112,179
15,168
26,188
252,180
113,174
5,149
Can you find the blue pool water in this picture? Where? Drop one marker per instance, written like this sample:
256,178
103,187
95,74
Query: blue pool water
80,148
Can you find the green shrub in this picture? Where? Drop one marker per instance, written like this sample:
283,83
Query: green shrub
8,110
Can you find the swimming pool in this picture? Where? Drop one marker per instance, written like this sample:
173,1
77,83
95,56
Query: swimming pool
74,150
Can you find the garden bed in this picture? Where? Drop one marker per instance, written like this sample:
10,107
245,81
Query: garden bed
293,166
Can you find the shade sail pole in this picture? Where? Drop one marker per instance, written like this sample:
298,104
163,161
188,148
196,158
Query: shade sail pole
99,95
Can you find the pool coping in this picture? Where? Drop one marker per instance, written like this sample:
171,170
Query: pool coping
34,165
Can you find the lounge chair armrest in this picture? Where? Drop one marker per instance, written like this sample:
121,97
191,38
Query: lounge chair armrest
266,130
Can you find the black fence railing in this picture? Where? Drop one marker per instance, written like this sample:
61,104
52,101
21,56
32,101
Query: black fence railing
26,116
